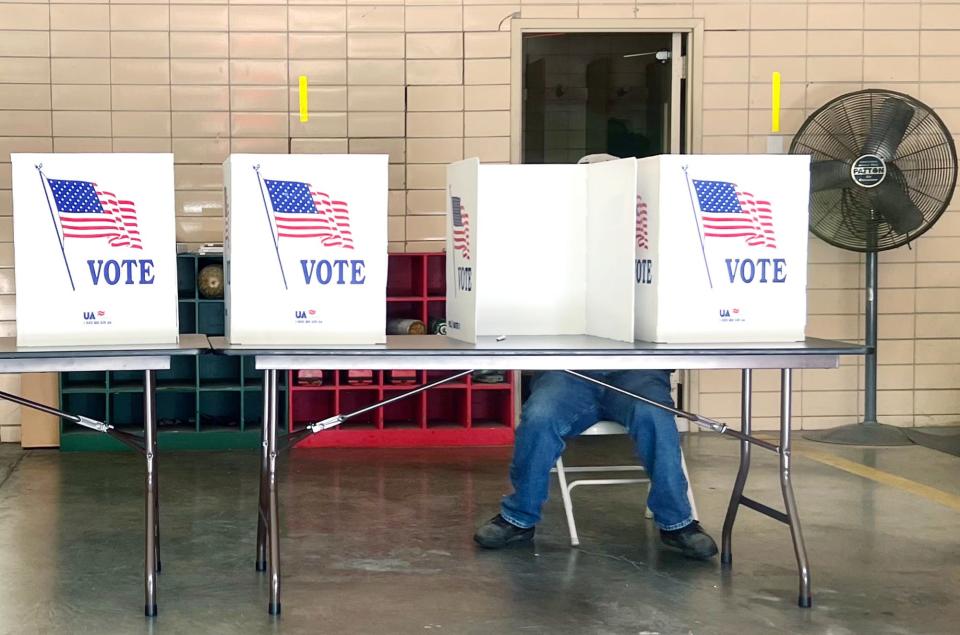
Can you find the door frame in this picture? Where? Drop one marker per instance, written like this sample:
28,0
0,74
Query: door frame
689,28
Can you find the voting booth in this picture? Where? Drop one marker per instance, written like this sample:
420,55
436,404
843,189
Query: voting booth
541,249
305,249
95,249
722,248
672,249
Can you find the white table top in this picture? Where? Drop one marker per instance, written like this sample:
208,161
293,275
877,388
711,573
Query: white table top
26,359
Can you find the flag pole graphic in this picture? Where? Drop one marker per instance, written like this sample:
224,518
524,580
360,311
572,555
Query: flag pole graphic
696,220
43,184
273,235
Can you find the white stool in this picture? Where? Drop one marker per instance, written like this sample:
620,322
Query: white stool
602,428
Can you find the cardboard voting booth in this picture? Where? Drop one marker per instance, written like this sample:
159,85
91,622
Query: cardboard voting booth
541,249
305,249
722,248
95,249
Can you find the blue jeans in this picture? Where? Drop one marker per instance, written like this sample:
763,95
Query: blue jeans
562,406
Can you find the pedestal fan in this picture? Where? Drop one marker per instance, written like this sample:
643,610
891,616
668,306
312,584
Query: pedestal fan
883,170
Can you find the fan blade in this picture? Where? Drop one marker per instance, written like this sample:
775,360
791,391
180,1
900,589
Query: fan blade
893,203
888,129
829,175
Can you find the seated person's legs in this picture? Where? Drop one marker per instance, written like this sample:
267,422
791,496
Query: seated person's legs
657,441
560,406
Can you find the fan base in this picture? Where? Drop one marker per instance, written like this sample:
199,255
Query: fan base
863,433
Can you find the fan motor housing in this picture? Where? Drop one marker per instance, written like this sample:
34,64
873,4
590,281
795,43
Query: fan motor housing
868,171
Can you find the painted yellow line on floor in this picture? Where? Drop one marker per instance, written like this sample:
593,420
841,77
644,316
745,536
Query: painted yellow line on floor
918,489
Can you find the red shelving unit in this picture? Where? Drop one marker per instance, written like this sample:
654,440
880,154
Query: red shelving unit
464,412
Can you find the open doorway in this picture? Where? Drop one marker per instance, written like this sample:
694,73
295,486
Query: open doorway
584,93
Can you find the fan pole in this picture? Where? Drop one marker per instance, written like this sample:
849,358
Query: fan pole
869,431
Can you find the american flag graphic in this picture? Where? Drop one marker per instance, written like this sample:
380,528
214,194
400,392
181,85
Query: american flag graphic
302,212
88,212
729,212
642,241
461,227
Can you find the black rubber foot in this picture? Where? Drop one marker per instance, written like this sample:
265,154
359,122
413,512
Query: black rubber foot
150,611
726,559
805,602
159,567
261,565
274,609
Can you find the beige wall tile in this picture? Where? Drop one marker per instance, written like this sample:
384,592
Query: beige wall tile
258,45
726,43
139,17
200,151
203,72
427,176
493,71
25,16
778,16
426,227
938,69
938,325
199,97
25,123
791,69
894,16
936,402
724,122
375,18
259,98
200,124
435,124
436,18
939,16
318,45
893,42
726,70
728,96
737,144
81,124
323,99
258,72
933,351
434,150
845,15
320,146
139,71
80,44
375,72
200,228
259,146
139,44
426,202
835,69
487,124
486,44
198,177
141,124
199,203
494,97
396,228
25,144
942,274
434,45
199,44
375,124
938,376
79,17
723,16
830,403
489,18
375,45
394,148
936,301
258,124
258,18
488,149
895,352
307,18
80,97
80,70
198,18
375,98
319,72
434,98
140,98
778,43
835,42
25,44
25,97
891,69
421,72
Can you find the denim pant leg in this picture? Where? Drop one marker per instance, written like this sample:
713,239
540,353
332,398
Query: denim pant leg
560,406
655,436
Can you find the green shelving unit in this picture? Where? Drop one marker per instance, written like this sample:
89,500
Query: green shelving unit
206,402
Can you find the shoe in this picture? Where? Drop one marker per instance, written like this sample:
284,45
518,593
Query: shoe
498,532
692,541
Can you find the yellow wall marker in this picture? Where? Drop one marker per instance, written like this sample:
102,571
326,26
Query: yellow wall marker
775,103
304,113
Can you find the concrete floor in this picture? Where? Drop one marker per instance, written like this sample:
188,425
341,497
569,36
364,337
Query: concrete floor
380,542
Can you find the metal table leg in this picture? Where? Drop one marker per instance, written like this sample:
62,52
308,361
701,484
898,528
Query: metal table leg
264,458
805,599
273,524
150,448
746,426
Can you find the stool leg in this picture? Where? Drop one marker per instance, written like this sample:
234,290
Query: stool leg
567,503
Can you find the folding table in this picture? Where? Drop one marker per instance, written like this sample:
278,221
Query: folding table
570,353
149,359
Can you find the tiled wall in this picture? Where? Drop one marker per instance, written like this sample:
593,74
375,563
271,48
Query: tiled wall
427,81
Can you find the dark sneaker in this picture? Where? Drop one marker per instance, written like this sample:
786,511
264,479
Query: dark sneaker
499,532
692,541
